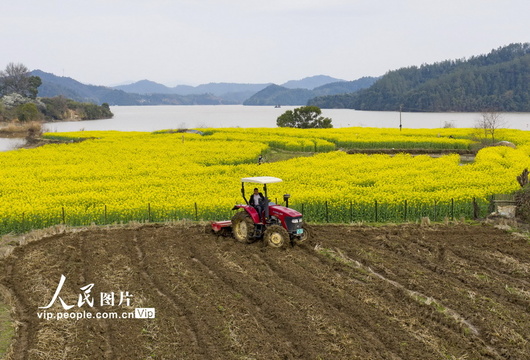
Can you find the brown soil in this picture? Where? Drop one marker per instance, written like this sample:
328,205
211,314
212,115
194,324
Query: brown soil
35,142
352,292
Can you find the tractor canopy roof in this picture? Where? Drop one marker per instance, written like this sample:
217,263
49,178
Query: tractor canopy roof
262,179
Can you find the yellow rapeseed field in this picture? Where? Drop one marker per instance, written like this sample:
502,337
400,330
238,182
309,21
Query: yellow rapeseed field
122,176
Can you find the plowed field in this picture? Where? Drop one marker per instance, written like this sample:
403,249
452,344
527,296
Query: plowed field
352,292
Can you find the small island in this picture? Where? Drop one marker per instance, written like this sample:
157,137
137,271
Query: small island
22,112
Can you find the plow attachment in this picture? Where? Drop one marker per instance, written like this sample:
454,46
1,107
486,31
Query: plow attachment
222,227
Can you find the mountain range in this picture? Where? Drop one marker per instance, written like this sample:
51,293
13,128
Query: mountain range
220,89
496,81
146,92
281,95
53,85
230,92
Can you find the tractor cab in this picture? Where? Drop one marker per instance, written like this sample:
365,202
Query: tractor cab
263,180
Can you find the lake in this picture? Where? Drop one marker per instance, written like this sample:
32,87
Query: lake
10,143
152,118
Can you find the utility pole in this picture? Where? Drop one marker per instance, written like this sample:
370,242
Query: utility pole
400,109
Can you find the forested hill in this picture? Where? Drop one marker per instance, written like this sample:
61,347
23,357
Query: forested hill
497,81
282,95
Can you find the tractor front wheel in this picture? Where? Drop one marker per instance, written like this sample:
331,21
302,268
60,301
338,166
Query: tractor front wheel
276,236
242,227
305,235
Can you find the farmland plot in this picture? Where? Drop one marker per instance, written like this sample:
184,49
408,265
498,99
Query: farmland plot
353,292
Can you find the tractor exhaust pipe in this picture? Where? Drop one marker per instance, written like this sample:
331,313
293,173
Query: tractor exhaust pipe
243,192
286,199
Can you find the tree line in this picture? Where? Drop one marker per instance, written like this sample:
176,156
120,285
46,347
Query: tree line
497,81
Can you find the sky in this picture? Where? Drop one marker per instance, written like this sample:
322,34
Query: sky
192,42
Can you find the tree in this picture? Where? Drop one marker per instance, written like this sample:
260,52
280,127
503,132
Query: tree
28,112
2,111
15,79
34,83
306,117
490,122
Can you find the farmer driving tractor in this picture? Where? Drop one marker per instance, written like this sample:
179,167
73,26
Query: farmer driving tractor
259,218
257,200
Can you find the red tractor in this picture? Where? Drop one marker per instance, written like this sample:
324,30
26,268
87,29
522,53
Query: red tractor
277,225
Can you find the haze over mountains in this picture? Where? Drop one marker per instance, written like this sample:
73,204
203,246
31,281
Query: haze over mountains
151,87
281,95
231,92
53,85
498,80
146,92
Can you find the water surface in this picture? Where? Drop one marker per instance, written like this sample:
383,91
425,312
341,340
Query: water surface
152,118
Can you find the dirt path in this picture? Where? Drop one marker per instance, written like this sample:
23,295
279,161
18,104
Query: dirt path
403,292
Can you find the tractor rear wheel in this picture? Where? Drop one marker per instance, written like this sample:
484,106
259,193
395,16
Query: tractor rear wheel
276,236
242,227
